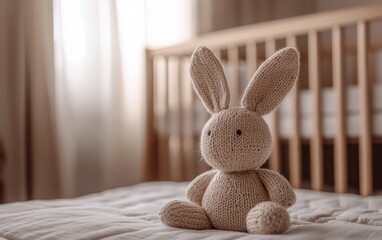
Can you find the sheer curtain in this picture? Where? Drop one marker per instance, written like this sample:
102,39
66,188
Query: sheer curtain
99,93
100,84
27,126
72,91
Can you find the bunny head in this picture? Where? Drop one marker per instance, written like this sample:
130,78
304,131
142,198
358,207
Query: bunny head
238,139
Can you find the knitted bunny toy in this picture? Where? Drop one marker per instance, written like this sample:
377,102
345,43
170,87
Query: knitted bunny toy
237,194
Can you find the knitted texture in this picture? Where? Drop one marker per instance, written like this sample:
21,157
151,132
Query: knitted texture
213,87
236,140
279,189
229,198
272,81
198,186
268,217
184,215
237,195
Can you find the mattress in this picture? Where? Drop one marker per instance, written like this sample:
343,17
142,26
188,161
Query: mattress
132,213
329,113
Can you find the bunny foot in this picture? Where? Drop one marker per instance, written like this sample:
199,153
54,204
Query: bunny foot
267,218
182,214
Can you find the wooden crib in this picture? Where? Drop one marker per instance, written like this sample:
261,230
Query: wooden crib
339,51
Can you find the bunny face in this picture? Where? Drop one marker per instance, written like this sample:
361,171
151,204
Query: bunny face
236,140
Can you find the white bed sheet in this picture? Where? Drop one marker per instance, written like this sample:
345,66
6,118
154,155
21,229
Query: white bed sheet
131,213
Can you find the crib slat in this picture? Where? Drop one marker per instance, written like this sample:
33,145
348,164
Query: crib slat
365,143
251,58
161,82
274,161
340,147
174,90
151,164
179,117
295,169
234,78
316,152
189,146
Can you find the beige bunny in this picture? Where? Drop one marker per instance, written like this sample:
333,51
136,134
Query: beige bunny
237,194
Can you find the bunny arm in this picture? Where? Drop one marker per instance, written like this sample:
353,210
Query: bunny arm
198,186
278,187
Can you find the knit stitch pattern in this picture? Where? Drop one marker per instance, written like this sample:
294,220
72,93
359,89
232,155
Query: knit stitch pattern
268,218
237,194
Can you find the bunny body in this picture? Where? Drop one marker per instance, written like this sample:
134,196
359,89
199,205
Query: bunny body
237,194
229,198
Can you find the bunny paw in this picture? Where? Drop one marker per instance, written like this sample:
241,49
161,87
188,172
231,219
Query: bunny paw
267,218
182,214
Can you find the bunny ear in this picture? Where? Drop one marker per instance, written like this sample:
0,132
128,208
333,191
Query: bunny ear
209,80
272,81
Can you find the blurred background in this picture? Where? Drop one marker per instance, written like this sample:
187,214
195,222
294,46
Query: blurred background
72,83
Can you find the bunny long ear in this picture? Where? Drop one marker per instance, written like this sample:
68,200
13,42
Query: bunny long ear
272,81
209,80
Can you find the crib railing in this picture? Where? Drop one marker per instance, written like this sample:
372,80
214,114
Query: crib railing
172,130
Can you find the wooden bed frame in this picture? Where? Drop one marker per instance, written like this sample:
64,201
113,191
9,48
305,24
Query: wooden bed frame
172,131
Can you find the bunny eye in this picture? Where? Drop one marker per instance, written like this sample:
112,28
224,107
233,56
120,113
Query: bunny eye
238,132
209,133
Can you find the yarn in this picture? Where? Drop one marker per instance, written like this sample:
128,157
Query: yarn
267,217
272,81
237,195
184,215
213,87
223,149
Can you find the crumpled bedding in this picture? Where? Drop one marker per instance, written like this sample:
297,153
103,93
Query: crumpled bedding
132,213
